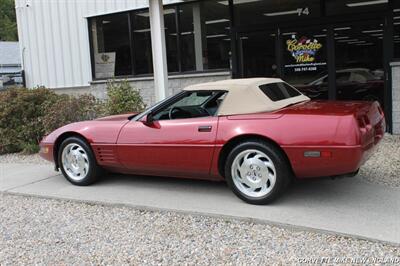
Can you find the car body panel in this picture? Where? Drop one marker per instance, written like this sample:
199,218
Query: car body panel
176,146
346,131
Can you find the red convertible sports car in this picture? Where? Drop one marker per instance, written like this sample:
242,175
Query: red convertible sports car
256,134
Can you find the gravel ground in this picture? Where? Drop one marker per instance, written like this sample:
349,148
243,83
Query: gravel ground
22,158
42,231
382,168
384,165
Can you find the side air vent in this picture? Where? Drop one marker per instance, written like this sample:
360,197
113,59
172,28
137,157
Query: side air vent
105,155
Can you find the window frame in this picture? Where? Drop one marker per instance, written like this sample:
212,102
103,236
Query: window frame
129,13
182,95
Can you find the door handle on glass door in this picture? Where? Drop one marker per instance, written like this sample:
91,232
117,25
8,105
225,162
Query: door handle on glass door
205,128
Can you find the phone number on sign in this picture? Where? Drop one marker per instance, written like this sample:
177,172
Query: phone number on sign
301,69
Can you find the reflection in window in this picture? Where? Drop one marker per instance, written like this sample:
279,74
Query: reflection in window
204,34
258,54
257,12
338,7
111,46
359,56
396,24
188,57
142,43
196,37
171,39
216,24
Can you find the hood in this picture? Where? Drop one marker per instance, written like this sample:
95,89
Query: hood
121,117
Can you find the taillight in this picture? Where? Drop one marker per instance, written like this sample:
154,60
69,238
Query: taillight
380,110
363,121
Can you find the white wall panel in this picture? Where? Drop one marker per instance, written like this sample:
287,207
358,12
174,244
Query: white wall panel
54,38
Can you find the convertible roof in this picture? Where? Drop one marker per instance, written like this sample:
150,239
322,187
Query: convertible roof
245,96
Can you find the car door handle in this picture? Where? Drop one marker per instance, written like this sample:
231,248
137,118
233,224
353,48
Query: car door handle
205,128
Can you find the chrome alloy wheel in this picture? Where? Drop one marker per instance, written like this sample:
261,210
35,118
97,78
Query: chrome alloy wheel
75,161
253,173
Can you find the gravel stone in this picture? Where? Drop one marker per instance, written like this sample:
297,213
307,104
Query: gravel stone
384,165
22,158
58,232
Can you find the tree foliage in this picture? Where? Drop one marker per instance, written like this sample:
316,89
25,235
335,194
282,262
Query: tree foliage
8,21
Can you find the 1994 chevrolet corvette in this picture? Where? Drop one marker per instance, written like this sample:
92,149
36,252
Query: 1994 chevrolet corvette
256,134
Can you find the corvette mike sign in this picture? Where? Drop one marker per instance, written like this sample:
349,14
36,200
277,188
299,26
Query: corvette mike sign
305,54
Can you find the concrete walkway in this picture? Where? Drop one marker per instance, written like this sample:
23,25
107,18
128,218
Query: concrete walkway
347,206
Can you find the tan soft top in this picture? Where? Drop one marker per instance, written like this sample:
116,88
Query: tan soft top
245,97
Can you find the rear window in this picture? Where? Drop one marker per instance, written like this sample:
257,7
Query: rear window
279,91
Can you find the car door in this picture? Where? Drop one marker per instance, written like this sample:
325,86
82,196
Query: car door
180,147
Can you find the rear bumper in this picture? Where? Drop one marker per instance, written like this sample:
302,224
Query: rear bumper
46,151
343,160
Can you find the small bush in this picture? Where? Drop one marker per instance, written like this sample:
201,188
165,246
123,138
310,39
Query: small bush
67,109
21,117
26,115
122,98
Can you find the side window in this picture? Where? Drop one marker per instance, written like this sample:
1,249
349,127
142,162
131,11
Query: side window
279,91
192,104
214,103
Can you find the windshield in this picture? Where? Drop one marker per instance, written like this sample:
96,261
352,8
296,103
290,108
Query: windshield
147,110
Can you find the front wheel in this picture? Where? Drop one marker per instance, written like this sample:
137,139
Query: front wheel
257,172
77,162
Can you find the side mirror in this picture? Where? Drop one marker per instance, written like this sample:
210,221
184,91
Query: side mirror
148,119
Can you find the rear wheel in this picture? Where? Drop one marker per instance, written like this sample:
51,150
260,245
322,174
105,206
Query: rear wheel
257,172
77,162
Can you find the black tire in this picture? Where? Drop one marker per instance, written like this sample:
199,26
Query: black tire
94,170
282,174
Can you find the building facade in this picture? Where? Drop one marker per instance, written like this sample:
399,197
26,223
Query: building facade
329,49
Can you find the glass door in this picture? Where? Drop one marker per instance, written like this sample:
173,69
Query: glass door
304,60
359,61
257,55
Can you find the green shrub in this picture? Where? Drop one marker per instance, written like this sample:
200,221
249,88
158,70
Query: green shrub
26,115
21,117
122,98
30,148
67,109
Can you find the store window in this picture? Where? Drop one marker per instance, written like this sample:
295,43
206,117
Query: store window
257,54
111,46
248,12
141,36
305,60
359,61
196,35
171,39
340,7
217,41
396,24
187,38
204,36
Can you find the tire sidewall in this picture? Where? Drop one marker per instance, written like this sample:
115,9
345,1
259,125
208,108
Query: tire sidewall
92,173
281,167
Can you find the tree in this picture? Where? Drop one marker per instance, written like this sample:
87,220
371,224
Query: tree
8,22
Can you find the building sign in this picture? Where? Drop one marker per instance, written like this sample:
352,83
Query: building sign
105,65
304,54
